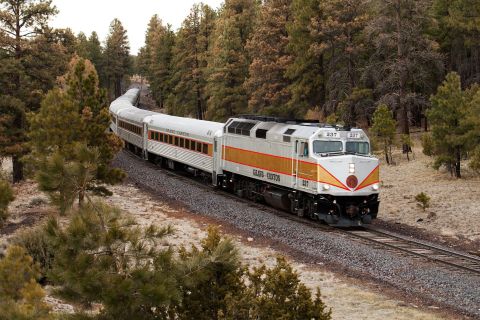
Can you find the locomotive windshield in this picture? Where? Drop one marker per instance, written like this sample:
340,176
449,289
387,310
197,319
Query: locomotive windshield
336,147
320,146
358,147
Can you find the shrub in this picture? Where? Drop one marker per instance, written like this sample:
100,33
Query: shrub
6,196
423,201
21,297
427,144
38,245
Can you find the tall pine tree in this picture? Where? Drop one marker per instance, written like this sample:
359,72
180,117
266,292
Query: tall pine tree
267,85
339,32
229,59
307,72
190,60
405,65
117,58
20,21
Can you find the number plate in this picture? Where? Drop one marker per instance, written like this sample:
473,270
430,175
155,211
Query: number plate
354,135
331,134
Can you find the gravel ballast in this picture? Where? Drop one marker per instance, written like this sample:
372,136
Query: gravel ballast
414,277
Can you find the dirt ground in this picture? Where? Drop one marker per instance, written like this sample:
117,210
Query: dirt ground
347,298
454,206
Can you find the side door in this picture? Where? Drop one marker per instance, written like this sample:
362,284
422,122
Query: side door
300,166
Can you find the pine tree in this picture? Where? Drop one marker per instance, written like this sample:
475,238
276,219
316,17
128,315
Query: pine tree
81,45
161,66
473,124
21,297
212,274
405,66
190,62
95,55
340,31
20,20
275,293
117,57
12,127
307,72
103,256
383,127
449,125
6,196
267,85
68,145
229,60
457,29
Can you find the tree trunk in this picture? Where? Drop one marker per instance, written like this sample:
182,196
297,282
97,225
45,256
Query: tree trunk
17,169
81,198
458,155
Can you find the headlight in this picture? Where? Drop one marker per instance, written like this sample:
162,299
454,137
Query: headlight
326,187
375,187
351,168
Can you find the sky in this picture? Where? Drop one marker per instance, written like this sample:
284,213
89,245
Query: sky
96,15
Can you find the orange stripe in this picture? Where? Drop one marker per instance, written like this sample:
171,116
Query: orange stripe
283,165
372,178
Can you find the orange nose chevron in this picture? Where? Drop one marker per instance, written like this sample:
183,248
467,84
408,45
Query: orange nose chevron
372,178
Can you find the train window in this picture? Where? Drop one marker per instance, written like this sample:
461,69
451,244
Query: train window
160,137
286,139
165,138
170,139
261,133
205,148
177,141
182,142
187,144
192,145
289,132
199,147
215,146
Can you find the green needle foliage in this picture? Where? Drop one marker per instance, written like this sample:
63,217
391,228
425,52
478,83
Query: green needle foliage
103,256
21,297
423,201
6,196
383,128
71,147
452,130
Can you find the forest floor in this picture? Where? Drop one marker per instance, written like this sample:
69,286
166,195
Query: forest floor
454,206
349,298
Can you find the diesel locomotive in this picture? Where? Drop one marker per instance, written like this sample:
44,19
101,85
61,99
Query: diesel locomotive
325,172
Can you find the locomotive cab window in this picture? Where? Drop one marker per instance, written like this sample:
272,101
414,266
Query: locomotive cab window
358,147
320,146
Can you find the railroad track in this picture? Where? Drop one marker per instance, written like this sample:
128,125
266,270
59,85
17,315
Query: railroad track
400,244
413,247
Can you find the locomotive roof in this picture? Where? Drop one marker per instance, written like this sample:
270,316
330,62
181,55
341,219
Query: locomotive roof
276,130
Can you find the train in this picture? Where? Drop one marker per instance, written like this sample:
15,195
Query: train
320,171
